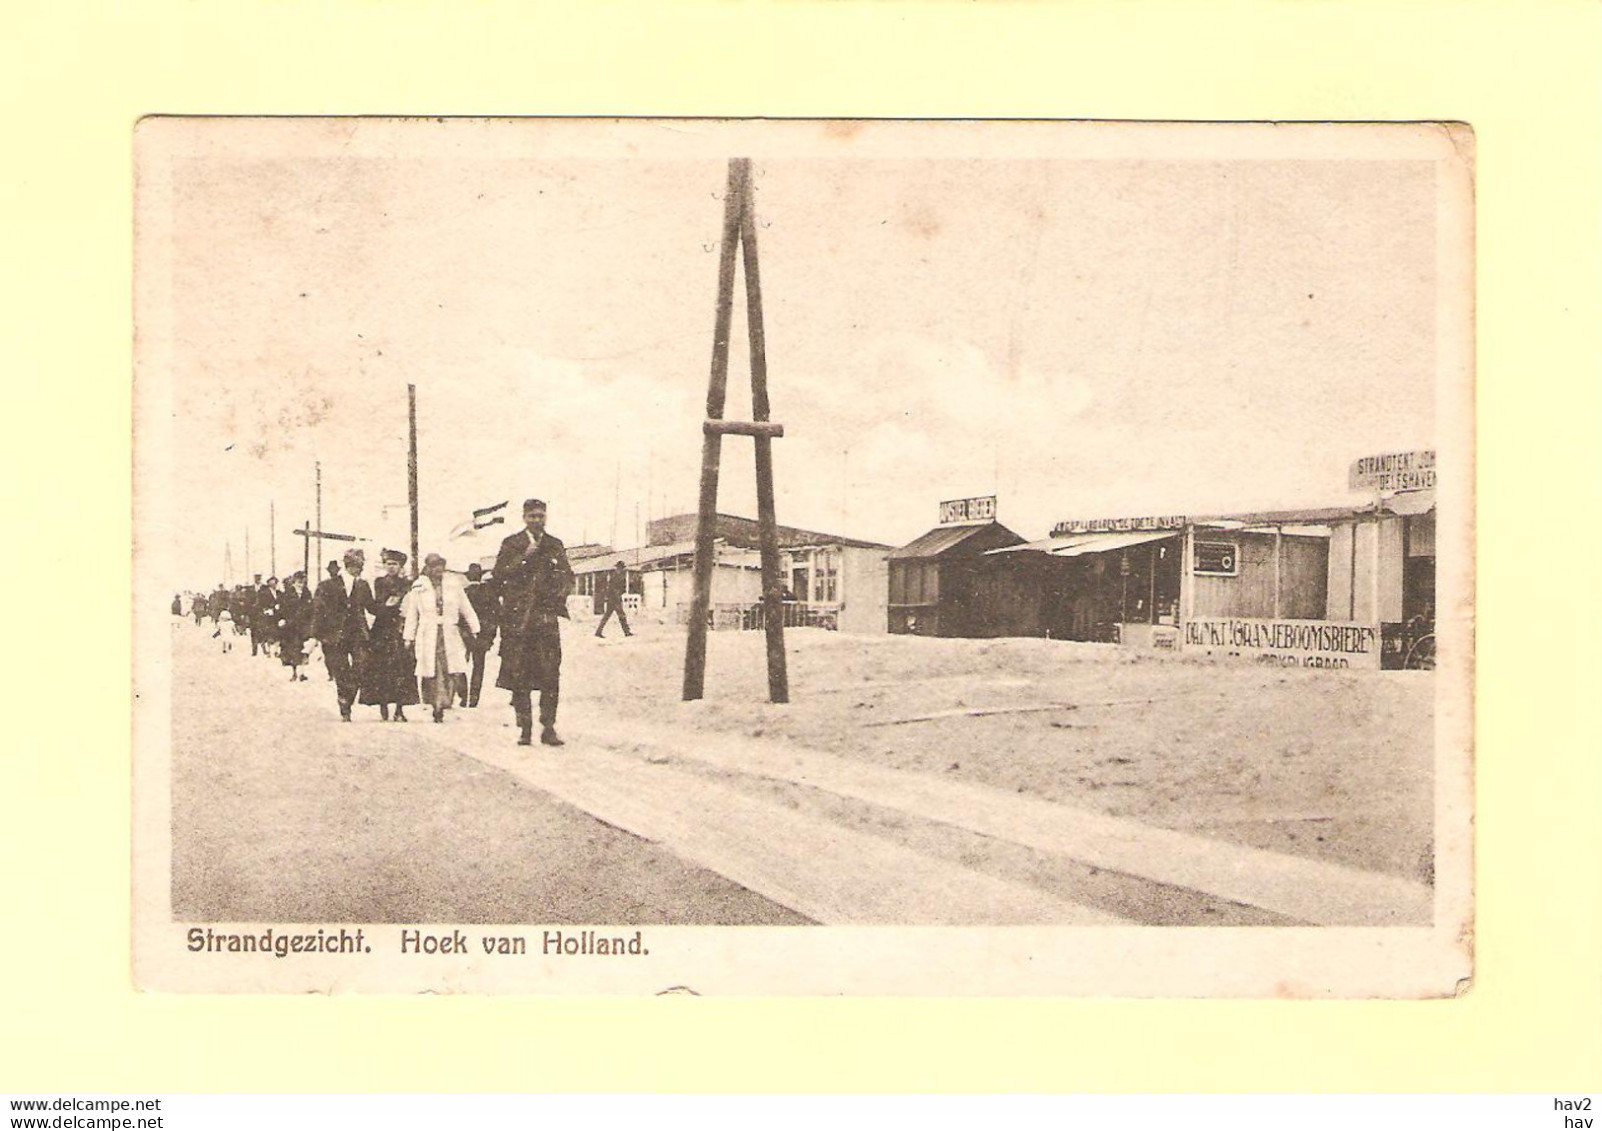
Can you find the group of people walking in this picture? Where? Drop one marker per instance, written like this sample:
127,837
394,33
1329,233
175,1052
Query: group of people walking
396,642
276,616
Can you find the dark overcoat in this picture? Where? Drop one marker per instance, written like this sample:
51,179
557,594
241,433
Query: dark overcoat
535,580
294,626
486,599
341,619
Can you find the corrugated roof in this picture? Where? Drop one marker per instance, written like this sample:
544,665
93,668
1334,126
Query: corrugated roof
635,558
937,541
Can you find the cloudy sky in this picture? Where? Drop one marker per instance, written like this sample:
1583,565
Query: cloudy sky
1081,337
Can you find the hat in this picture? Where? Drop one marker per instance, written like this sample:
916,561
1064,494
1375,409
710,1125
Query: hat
393,556
474,572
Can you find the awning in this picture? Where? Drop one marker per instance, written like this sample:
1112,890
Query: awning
1101,543
1046,545
1411,502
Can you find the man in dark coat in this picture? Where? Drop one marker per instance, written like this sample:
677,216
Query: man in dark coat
616,584
339,621
487,604
535,579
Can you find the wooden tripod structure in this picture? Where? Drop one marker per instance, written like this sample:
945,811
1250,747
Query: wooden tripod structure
739,231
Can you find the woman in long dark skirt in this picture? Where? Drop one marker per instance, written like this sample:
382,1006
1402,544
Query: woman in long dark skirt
387,678
294,625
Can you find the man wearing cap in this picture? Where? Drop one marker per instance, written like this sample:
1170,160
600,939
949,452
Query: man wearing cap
487,604
535,579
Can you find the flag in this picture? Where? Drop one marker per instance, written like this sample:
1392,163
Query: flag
481,518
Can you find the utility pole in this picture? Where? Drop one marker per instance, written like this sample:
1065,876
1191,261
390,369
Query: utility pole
305,552
411,468
319,520
739,232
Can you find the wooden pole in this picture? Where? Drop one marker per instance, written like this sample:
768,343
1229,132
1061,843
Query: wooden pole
1187,581
712,442
767,520
1151,583
319,527
1279,539
411,468
305,553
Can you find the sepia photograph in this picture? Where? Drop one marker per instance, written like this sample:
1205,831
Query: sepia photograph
803,557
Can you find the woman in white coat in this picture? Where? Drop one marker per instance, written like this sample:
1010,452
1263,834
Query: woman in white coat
436,608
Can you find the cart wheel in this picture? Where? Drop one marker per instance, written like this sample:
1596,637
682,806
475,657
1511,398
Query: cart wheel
1421,656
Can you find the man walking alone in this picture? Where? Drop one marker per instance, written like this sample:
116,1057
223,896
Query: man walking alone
617,584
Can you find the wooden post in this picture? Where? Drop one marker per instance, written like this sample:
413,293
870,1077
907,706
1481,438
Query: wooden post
1187,581
1351,583
712,442
767,520
1279,538
411,468
305,552
1151,583
319,527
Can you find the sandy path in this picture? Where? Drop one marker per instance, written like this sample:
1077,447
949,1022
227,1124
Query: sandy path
282,813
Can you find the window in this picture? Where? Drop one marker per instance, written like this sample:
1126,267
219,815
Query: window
913,583
825,577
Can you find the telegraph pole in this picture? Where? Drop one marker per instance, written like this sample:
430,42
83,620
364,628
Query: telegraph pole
739,232
305,551
411,468
319,519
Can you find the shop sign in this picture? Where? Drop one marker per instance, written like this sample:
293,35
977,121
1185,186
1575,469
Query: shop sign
1118,525
1397,471
1221,559
980,509
1287,643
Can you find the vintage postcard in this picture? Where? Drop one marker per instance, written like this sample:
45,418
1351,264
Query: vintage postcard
803,557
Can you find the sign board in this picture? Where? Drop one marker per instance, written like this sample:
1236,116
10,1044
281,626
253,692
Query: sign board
1288,643
1221,559
980,509
1397,471
1118,525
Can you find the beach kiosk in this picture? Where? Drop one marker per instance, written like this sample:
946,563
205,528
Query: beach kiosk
941,583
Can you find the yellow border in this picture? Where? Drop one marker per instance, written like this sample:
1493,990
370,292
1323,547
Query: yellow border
79,75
